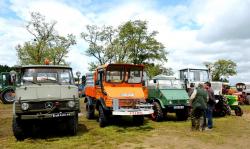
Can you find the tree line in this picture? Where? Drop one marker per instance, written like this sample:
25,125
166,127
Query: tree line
130,42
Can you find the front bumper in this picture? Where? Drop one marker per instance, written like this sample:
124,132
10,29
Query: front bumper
140,109
133,112
47,115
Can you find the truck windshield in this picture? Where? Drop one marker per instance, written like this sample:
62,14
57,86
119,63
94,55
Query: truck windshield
134,74
197,75
115,74
47,75
170,84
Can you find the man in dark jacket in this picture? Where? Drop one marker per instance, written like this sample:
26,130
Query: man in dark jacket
198,102
210,105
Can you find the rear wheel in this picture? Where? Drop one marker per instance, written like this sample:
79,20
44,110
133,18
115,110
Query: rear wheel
18,129
182,115
7,97
90,111
73,124
138,119
238,111
102,117
158,113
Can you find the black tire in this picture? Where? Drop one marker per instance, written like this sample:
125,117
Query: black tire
158,114
90,111
182,115
248,99
102,117
18,129
238,111
138,120
6,96
73,124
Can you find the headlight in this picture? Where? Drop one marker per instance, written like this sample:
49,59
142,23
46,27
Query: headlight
25,106
187,101
71,104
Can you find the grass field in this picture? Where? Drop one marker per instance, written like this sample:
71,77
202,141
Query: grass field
229,132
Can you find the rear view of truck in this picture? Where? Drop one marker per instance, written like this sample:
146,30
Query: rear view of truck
117,89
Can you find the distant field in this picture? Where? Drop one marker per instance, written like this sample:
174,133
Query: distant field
229,132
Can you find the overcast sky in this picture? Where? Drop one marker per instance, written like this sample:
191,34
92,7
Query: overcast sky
193,31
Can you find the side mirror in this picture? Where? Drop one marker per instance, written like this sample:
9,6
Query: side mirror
154,80
143,82
97,82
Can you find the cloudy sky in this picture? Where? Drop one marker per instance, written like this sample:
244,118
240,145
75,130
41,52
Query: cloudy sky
193,31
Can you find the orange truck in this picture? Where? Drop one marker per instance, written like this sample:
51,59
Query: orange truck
117,89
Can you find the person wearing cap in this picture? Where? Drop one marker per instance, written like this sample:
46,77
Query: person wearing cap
198,103
210,105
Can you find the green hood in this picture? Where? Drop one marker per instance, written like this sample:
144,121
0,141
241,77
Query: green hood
174,94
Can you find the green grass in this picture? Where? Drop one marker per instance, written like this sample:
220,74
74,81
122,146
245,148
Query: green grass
229,132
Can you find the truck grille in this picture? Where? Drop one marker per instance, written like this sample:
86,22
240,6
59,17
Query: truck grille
128,102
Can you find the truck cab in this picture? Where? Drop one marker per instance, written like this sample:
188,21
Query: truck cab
117,89
45,92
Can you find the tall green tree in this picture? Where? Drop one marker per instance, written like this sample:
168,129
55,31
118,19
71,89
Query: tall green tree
100,39
138,44
5,68
222,69
131,42
46,43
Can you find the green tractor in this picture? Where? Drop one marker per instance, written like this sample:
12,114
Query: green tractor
168,95
7,87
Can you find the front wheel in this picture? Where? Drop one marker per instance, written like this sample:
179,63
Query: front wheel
18,129
73,124
238,111
158,113
102,117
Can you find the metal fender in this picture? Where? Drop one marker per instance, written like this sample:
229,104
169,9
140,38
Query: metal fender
156,100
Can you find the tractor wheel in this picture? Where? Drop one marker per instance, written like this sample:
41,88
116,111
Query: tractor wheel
90,111
238,111
138,119
102,117
248,99
73,124
158,113
7,97
182,115
18,129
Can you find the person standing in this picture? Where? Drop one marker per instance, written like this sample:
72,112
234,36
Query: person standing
198,103
210,105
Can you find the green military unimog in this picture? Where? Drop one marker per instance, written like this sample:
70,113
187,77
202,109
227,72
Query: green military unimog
168,94
45,92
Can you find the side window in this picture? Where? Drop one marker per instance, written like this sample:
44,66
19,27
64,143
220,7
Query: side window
99,78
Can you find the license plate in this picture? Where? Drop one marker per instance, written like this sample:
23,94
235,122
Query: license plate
135,113
60,114
178,107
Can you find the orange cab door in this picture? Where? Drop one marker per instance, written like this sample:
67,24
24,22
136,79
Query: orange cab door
98,84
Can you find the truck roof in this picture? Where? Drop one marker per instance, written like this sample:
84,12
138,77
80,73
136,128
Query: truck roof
42,66
106,65
194,69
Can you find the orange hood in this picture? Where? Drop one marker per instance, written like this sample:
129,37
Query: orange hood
125,92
